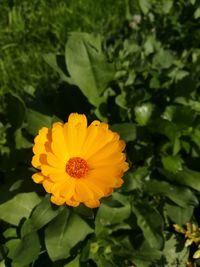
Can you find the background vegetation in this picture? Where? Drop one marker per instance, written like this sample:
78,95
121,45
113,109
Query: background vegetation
134,64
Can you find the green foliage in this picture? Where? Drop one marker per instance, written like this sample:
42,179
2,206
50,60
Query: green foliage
133,64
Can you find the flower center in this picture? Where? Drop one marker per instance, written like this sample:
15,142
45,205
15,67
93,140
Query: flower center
77,167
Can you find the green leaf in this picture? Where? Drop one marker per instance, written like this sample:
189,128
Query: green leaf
73,263
180,195
63,233
127,131
151,224
20,206
44,213
185,177
2,264
24,251
172,163
163,59
87,65
55,61
107,216
145,5
174,253
16,110
134,179
143,113
179,215
197,13
37,120
10,232
20,141
146,256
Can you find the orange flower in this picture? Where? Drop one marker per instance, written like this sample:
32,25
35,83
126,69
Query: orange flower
79,164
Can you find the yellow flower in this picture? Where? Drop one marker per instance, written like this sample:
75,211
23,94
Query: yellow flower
79,163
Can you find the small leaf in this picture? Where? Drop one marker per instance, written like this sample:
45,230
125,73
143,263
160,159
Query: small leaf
163,59
172,163
127,131
143,113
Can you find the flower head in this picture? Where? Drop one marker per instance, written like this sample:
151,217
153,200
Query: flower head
79,163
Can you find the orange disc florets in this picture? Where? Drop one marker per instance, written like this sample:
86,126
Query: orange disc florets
77,167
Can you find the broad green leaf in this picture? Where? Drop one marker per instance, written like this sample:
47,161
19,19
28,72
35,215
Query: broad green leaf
63,233
185,177
44,213
150,222
37,120
55,61
143,113
16,110
179,215
180,195
172,163
87,65
24,251
20,206
127,131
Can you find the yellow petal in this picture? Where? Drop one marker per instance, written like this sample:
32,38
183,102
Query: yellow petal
55,162
58,144
68,188
38,177
72,202
47,170
59,177
75,119
57,200
47,184
82,192
92,203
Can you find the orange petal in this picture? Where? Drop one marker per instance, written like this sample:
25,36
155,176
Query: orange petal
92,203
58,144
68,189
57,200
38,177
47,184
82,191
